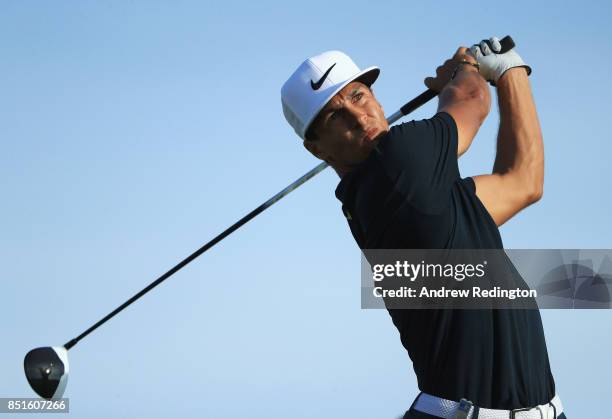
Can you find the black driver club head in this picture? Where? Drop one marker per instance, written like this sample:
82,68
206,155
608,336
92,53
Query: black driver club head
47,371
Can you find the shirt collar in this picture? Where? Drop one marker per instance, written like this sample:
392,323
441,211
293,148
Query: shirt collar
344,186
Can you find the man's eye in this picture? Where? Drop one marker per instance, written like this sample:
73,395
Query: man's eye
357,97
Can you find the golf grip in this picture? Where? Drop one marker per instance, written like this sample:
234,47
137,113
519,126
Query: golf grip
507,43
420,100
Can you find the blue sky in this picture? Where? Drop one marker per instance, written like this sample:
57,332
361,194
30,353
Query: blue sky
132,132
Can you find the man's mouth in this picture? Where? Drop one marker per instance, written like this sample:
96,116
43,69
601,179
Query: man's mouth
371,134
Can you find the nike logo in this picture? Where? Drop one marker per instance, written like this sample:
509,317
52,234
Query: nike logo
317,85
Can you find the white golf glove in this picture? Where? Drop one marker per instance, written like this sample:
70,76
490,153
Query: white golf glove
493,64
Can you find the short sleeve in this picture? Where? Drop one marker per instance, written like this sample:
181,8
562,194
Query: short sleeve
469,183
420,158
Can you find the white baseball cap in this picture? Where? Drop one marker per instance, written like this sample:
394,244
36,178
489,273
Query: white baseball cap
315,82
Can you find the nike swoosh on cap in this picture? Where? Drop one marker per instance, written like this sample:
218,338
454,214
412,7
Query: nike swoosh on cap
317,85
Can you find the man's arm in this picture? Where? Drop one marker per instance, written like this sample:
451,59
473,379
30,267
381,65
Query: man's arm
517,180
466,97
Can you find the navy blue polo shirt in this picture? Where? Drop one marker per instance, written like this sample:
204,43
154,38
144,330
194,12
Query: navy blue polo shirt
408,194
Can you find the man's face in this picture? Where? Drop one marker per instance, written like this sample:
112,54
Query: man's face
348,127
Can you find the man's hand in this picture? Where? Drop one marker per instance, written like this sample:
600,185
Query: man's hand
493,65
446,70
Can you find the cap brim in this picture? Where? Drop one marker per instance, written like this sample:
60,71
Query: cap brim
367,77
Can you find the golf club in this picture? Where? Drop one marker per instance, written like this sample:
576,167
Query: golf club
46,368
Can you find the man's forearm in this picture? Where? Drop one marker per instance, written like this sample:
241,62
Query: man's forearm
467,99
520,148
468,84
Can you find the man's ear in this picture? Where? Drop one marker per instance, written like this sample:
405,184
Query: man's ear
314,149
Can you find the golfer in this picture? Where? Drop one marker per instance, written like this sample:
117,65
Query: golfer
401,188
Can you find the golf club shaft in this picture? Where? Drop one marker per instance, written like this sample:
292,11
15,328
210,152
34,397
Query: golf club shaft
404,110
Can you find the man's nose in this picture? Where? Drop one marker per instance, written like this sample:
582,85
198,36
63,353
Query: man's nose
358,117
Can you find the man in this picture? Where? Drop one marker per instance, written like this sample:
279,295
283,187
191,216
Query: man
401,188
